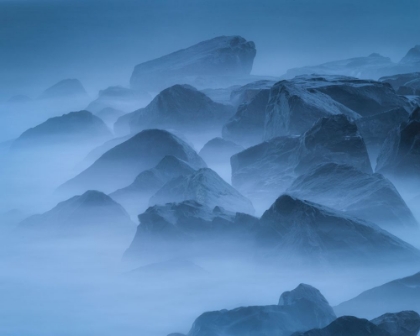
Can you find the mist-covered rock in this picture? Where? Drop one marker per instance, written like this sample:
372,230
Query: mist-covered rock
119,166
223,56
67,88
219,151
368,196
404,84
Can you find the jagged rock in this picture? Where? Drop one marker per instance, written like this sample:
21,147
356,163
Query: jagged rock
405,323
218,151
119,166
413,56
398,295
90,213
119,98
367,196
303,313
135,197
224,56
177,229
400,153
313,234
72,128
67,88
205,187
404,84
181,108
266,170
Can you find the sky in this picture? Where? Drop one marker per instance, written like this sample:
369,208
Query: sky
100,41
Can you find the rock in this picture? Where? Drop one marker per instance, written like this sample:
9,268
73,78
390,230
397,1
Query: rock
72,128
312,234
224,56
405,323
220,95
412,57
135,197
303,313
205,187
180,108
367,196
397,295
109,115
404,84
91,213
218,151
67,88
189,228
119,98
246,93
264,171
400,153
119,166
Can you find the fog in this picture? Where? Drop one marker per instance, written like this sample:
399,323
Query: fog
88,247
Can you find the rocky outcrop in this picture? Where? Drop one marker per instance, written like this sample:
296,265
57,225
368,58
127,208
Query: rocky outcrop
119,166
404,84
405,323
367,196
412,57
224,56
67,88
205,187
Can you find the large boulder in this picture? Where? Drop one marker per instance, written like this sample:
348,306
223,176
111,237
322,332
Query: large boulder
305,310
181,108
312,234
205,187
119,166
224,56
371,197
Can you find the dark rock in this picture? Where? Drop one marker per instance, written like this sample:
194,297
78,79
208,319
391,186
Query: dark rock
405,323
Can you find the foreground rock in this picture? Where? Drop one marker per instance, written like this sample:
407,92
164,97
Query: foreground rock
181,108
312,234
92,213
205,187
224,56
135,197
67,88
119,166
397,295
367,196
306,308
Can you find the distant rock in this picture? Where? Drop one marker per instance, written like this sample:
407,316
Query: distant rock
109,115
397,295
404,84
400,153
266,170
135,197
413,56
405,323
119,166
367,196
312,234
218,151
189,228
67,88
119,98
90,213
224,56
181,108
205,187
72,128
303,313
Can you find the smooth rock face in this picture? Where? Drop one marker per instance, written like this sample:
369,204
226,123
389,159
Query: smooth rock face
219,151
181,108
72,128
406,323
221,56
397,295
205,187
367,196
189,228
295,105
67,88
266,170
119,166
135,197
90,213
404,84
400,153
119,98
302,313
310,233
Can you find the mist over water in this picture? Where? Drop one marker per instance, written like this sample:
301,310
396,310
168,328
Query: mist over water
89,244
